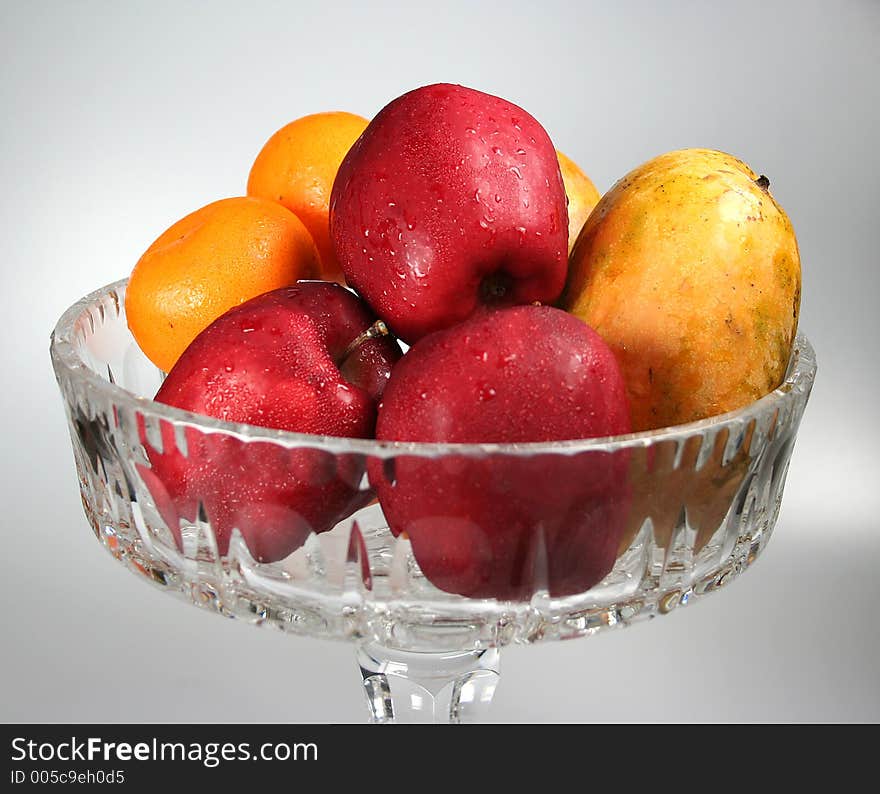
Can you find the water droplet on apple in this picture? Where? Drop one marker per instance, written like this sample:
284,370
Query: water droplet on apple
516,172
344,394
496,150
497,198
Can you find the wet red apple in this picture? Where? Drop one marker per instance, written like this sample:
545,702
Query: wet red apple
506,525
451,200
303,359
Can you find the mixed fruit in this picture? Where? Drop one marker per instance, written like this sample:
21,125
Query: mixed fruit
531,310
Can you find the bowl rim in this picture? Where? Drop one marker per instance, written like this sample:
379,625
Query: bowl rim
799,377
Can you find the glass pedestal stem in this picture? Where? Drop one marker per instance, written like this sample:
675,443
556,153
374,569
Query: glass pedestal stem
436,687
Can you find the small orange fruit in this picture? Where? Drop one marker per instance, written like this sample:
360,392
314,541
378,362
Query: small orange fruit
297,167
213,259
582,196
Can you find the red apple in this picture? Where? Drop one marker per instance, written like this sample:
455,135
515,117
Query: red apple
299,358
505,525
451,200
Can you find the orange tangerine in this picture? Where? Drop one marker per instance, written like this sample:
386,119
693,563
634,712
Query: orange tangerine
296,168
582,196
213,259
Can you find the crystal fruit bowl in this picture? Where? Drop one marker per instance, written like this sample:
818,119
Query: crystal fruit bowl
700,504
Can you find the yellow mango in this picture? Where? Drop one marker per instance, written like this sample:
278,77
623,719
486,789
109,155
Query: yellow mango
690,271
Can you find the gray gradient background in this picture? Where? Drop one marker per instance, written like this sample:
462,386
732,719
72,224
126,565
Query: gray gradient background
118,118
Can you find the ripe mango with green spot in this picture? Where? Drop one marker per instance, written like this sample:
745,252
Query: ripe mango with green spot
690,271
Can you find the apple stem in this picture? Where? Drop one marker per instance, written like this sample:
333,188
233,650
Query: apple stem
375,331
763,182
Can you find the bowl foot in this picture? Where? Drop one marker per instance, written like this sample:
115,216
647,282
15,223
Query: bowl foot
442,687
